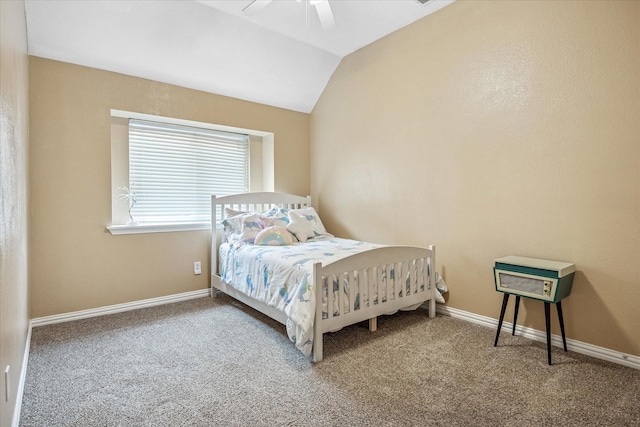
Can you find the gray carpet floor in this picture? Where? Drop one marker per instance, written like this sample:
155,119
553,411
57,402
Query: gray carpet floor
215,362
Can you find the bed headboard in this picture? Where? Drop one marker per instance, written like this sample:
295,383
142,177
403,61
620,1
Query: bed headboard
247,202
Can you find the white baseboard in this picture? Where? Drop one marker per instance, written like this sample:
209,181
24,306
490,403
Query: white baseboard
117,308
536,335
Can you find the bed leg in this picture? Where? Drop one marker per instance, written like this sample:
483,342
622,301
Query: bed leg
373,324
432,307
317,322
317,349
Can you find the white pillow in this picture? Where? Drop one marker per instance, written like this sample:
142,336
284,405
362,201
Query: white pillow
230,212
313,218
275,217
300,226
242,227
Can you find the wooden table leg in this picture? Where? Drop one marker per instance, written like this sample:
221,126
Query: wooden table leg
505,300
547,318
564,339
515,314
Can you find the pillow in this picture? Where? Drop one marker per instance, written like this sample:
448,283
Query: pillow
230,212
242,227
274,236
300,226
313,218
275,217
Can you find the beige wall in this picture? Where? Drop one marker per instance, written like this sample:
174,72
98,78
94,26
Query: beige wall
14,150
497,128
75,263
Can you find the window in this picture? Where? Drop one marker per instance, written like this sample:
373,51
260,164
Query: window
164,170
174,170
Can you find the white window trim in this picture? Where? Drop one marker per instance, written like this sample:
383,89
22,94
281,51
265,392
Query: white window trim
157,228
266,180
150,117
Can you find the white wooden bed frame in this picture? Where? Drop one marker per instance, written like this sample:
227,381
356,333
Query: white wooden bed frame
363,265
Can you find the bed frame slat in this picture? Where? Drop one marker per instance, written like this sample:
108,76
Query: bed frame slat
341,289
373,286
353,285
331,295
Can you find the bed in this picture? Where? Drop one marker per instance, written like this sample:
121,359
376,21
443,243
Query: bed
270,251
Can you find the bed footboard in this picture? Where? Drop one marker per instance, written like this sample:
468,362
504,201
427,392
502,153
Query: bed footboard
391,277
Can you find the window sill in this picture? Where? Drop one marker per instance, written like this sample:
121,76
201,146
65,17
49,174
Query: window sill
156,228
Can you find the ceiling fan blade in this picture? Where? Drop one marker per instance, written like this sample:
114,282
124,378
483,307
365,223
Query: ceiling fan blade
255,6
324,13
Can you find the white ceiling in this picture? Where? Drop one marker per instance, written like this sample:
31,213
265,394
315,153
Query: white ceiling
280,56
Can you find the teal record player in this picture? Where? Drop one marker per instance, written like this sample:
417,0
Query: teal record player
544,280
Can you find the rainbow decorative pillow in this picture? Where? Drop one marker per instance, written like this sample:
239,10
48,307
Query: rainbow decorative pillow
274,236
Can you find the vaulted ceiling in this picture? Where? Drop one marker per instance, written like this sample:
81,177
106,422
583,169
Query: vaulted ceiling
280,56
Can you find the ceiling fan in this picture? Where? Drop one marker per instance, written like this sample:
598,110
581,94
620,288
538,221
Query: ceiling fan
322,8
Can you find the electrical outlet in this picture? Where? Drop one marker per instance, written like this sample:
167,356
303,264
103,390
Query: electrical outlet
197,268
7,389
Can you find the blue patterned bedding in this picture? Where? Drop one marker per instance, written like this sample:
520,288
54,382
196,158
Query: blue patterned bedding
281,276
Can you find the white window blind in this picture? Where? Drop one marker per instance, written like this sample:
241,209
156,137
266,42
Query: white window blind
174,170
